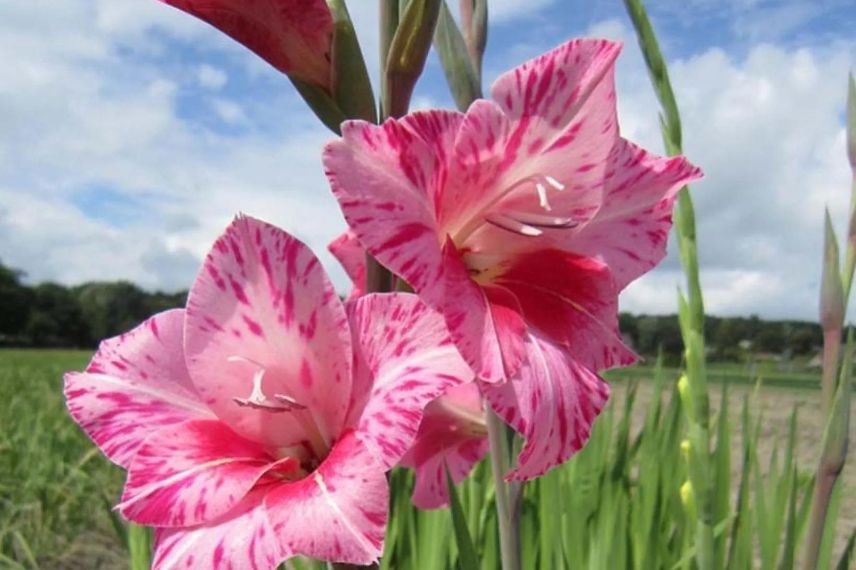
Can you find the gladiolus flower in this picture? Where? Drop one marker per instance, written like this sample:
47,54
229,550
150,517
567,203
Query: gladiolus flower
294,36
520,221
453,435
259,422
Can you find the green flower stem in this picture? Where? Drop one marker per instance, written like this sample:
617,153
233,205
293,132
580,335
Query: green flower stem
509,535
691,307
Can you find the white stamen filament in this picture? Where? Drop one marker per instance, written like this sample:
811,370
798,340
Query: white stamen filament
554,183
518,221
258,399
512,225
542,196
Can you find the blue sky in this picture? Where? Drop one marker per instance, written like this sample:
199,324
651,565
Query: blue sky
132,133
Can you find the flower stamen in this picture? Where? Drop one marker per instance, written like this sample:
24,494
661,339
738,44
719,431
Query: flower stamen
258,400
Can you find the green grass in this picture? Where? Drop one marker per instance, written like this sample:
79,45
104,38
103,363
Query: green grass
55,487
731,373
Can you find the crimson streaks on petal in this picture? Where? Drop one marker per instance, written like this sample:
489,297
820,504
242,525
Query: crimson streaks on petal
242,538
412,360
193,472
552,405
631,229
136,382
339,512
573,301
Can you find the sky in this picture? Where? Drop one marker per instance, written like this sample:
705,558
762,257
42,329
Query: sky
132,133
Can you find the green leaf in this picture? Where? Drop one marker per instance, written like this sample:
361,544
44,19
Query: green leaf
461,75
140,547
846,560
467,559
352,89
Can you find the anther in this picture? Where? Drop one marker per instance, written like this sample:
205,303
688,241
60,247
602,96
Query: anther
258,400
512,225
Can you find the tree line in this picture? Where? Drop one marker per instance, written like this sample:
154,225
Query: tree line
53,315
56,316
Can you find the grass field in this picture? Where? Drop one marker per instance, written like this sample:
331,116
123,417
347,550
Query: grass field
56,489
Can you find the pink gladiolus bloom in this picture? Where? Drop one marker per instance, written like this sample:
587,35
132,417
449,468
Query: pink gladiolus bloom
520,221
452,434
294,36
259,422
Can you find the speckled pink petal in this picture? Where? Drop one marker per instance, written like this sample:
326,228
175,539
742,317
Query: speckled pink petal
452,434
552,404
348,251
543,96
262,305
192,473
135,383
339,512
572,301
242,538
388,180
486,326
412,360
631,229
294,36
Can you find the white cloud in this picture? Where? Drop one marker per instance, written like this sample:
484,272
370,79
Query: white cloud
229,111
211,77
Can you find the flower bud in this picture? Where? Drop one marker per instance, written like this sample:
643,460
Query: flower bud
294,36
831,289
688,498
686,447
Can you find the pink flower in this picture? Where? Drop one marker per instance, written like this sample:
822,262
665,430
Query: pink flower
294,36
452,434
258,423
520,221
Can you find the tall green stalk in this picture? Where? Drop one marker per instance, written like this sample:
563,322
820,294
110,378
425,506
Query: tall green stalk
836,378
691,305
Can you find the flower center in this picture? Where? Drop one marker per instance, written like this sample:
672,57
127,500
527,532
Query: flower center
517,218
318,440
257,398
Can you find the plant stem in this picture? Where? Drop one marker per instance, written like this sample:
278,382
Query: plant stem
509,536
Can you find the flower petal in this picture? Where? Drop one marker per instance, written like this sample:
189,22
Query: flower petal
387,180
552,404
407,349
339,512
136,382
192,473
262,304
242,538
571,300
452,434
348,251
294,36
545,94
485,323
631,229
